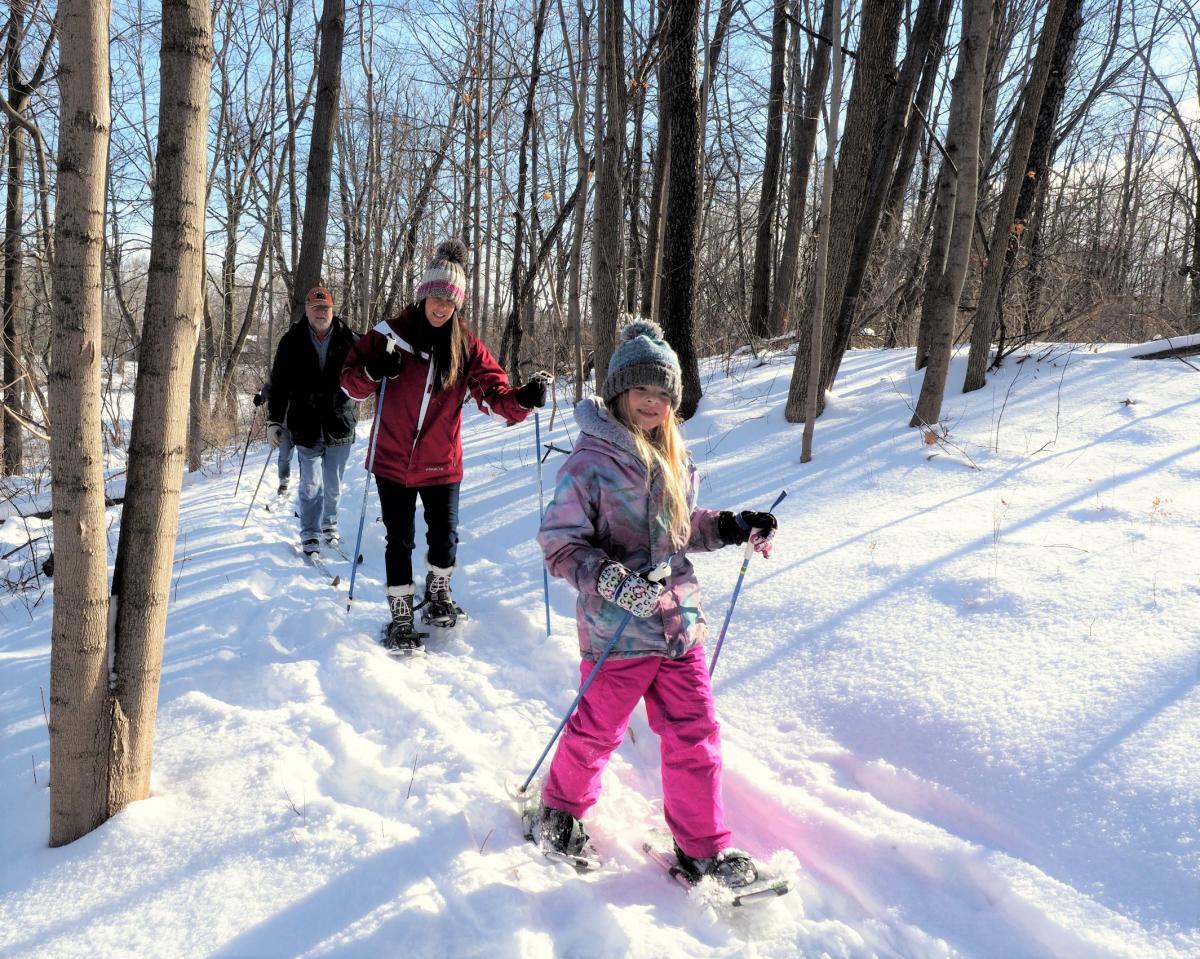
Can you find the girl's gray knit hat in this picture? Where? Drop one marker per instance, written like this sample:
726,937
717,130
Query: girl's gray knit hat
643,358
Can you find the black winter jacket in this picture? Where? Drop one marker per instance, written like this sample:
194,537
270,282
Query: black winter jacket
311,398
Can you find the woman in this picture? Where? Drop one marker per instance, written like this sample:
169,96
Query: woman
429,360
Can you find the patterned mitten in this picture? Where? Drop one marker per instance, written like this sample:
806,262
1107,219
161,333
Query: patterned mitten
627,589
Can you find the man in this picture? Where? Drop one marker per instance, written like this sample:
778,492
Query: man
284,461
306,399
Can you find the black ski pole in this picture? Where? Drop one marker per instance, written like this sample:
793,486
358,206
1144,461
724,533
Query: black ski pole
266,463
245,450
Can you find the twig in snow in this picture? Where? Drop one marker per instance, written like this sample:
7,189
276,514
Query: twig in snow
416,762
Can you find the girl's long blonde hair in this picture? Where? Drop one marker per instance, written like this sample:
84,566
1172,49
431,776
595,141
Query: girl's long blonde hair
663,449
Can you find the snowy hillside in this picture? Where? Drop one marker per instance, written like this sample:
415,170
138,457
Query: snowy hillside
959,703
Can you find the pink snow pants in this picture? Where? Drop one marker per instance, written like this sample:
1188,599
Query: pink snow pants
679,705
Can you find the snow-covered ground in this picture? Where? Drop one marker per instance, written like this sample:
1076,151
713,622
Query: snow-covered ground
959,703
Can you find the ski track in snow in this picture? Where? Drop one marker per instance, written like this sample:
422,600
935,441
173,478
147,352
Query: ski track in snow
959,706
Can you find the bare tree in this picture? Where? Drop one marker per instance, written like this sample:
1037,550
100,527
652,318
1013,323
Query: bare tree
866,113
79,704
764,233
821,268
320,154
682,104
1002,231
957,192
146,547
607,245
17,130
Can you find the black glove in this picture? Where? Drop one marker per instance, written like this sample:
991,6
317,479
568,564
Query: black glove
383,365
260,397
735,530
533,393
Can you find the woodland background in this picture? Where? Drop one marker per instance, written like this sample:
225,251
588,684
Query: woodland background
991,173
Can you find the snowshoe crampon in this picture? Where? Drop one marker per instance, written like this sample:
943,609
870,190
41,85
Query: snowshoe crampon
402,643
442,615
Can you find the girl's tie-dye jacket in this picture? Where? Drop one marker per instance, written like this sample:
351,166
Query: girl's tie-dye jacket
602,510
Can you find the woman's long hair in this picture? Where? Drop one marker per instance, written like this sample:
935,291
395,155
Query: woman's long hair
663,449
449,348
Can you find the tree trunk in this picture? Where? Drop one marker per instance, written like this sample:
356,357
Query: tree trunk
865,114
146,547
1002,230
320,154
882,171
1041,151
806,111
13,385
79,714
682,104
764,234
513,330
583,161
810,397
607,244
944,283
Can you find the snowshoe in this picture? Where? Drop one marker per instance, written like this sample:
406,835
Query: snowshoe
560,836
730,867
399,636
402,642
738,877
438,608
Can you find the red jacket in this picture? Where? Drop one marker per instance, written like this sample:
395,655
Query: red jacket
420,427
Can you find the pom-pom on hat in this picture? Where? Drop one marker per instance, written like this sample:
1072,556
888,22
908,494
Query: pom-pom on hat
446,275
643,358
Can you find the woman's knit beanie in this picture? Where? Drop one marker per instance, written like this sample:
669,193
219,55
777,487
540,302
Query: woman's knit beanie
643,358
446,275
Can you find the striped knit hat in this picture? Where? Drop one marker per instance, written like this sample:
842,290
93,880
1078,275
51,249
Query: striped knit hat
643,358
446,275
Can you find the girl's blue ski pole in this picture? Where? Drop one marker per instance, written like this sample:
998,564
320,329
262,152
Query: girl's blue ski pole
738,588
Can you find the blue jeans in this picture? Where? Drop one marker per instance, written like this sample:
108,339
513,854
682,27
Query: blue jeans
321,469
285,456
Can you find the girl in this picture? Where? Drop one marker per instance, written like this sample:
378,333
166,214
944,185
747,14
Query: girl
430,360
624,501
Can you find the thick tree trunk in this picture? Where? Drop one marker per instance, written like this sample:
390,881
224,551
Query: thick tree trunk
764,234
944,282
146,548
607,245
682,104
79,702
1041,151
865,115
320,154
1002,231
882,170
